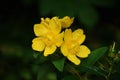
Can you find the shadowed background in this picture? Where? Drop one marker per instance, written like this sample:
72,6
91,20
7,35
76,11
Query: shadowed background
100,20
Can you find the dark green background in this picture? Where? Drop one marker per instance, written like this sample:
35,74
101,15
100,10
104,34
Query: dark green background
100,20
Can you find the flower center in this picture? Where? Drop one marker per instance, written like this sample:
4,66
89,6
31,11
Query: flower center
74,50
49,39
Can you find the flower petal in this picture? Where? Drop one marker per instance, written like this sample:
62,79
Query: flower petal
38,44
64,49
66,21
55,25
83,52
47,20
74,59
68,35
78,36
49,50
59,39
41,29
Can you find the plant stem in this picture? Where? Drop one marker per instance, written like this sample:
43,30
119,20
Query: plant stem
74,71
109,70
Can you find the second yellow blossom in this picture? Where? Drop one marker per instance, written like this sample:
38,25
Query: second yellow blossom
72,48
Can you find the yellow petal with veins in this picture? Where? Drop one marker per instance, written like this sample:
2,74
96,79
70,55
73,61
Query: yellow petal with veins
68,35
84,51
38,44
78,36
49,50
41,29
64,49
74,59
55,25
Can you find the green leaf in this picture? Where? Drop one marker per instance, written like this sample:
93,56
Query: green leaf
94,56
59,64
92,70
88,15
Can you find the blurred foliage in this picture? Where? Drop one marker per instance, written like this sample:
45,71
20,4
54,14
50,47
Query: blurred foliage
99,18
84,9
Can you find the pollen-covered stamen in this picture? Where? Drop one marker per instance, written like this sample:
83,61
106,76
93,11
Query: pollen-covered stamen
48,42
49,39
74,50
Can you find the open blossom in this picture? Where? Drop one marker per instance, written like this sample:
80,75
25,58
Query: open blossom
48,35
72,48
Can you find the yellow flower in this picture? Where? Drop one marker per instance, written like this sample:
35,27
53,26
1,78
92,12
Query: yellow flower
48,35
66,21
72,48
